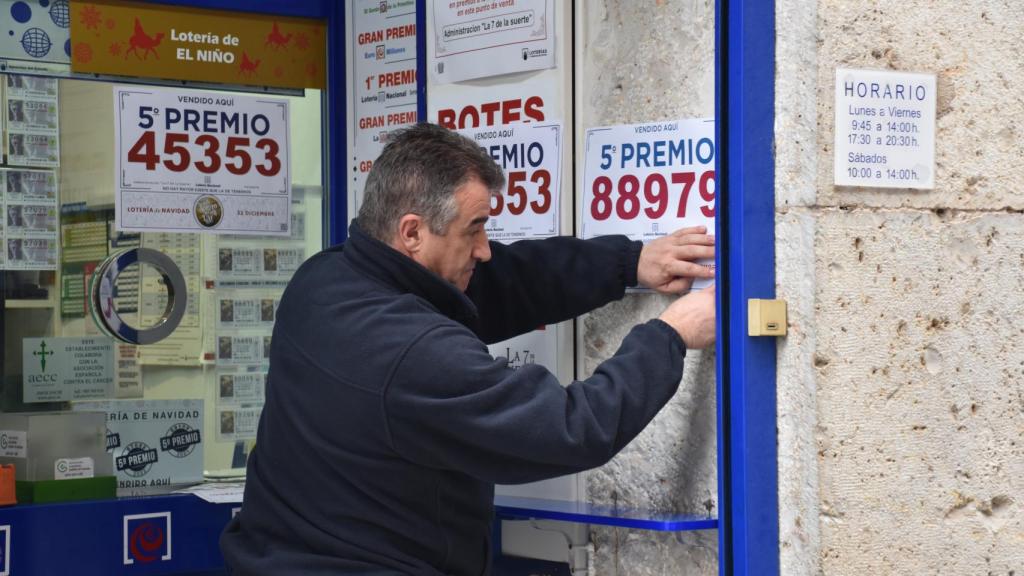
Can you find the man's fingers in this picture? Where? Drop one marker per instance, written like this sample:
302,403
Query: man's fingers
693,252
700,239
689,269
676,286
690,230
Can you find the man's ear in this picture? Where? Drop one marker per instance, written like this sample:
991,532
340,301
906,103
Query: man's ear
410,233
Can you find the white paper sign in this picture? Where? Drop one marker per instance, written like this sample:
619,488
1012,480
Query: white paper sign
153,442
61,369
25,149
237,423
531,157
188,161
885,129
237,388
31,220
537,347
31,254
245,349
66,468
30,185
255,312
19,86
482,38
382,81
14,443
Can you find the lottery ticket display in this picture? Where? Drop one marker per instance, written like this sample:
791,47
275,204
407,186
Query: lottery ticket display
28,195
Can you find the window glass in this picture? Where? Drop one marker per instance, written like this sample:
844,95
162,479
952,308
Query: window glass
58,197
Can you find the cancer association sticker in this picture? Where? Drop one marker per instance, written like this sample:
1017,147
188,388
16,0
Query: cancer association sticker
147,538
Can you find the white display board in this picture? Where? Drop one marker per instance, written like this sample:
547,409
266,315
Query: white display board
62,369
153,442
649,180
531,157
885,129
188,161
481,38
381,82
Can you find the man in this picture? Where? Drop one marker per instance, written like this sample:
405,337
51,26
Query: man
387,422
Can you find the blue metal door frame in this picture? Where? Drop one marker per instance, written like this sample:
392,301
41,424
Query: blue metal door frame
744,109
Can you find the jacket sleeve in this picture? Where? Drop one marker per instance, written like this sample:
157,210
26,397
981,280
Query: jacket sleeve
451,406
535,282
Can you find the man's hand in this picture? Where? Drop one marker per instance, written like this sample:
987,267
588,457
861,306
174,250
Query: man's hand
666,264
693,317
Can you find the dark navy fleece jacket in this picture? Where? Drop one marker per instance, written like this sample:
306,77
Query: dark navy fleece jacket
387,422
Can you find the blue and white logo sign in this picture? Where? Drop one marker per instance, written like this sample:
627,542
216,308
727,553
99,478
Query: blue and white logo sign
147,538
37,30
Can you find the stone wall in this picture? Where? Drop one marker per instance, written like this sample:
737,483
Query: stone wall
901,403
645,62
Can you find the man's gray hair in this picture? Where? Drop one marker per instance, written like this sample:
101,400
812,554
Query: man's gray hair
418,173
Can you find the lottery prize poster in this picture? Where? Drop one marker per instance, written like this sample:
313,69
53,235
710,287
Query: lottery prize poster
152,442
481,38
531,157
187,161
649,180
382,82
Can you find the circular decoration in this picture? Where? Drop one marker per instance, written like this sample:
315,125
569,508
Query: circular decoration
180,440
21,12
36,42
136,460
60,13
102,291
208,211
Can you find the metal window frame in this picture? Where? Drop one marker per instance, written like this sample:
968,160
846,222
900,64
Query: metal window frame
746,372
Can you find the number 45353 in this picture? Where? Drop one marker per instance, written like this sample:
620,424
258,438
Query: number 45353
235,158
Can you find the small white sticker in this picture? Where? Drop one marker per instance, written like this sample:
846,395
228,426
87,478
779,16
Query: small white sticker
65,468
14,443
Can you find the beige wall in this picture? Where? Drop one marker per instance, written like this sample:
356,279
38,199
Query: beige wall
901,403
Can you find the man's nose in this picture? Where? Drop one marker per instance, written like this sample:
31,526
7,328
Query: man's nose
482,251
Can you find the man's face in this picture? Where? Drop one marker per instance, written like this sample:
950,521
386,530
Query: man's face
454,255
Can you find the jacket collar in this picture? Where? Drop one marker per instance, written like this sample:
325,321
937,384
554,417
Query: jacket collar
404,274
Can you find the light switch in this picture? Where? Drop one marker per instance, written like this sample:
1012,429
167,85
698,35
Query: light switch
766,317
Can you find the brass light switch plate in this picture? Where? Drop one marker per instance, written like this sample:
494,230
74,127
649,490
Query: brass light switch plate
766,317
